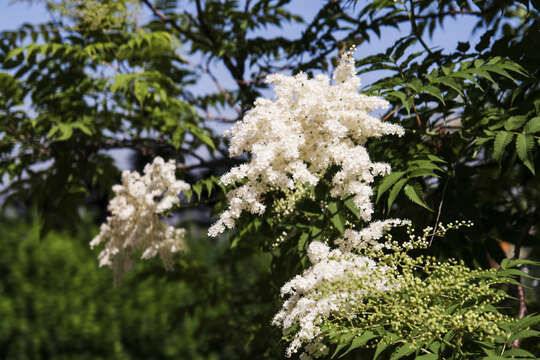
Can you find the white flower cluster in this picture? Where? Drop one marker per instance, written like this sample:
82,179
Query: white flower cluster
312,125
330,288
368,237
135,222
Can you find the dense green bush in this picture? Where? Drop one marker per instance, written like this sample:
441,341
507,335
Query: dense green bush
55,304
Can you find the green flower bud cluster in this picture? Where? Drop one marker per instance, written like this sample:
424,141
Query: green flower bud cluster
416,300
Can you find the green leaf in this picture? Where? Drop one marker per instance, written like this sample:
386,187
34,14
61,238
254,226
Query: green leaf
510,263
349,203
415,197
197,188
343,341
395,192
381,346
502,139
388,181
421,173
405,100
384,344
337,218
85,129
427,357
523,334
433,91
403,350
425,164
360,341
200,134
209,183
524,145
519,352
515,272
515,122
14,53
66,130
533,125
141,90
453,84
527,321
302,241
435,158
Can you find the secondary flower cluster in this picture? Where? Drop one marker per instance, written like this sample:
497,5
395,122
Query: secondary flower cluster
311,126
370,282
135,224
324,290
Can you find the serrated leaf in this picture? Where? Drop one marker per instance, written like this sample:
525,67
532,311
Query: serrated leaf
395,191
349,203
200,134
384,344
523,334
387,182
515,272
343,341
515,122
425,164
360,341
527,321
337,218
85,129
403,350
453,84
435,158
533,125
421,173
66,131
302,241
403,98
209,183
427,357
519,352
197,188
140,90
509,263
433,91
14,53
502,139
524,145
415,197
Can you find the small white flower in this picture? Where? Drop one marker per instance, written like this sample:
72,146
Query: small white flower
135,222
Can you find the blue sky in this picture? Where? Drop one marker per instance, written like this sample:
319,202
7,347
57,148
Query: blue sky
15,13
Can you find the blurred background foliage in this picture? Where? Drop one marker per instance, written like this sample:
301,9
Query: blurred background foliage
56,304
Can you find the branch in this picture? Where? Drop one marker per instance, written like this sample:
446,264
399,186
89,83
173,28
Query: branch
451,12
162,16
522,312
440,210
211,164
412,17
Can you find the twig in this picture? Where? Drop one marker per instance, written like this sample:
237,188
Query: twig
162,16
439,210
522,312
390,113
417,116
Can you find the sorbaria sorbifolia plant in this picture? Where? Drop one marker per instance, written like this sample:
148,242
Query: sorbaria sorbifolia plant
370,290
